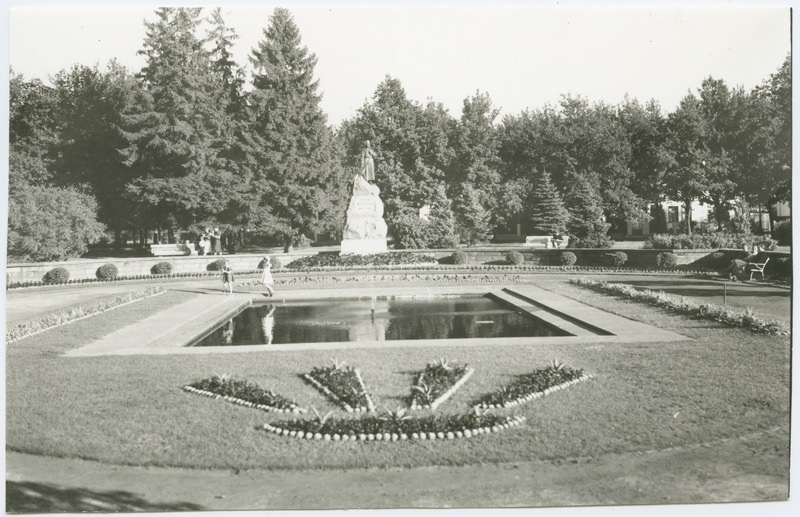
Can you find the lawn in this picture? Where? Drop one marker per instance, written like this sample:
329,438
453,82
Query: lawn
131,410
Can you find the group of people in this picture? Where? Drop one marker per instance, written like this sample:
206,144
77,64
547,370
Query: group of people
210,242
266,276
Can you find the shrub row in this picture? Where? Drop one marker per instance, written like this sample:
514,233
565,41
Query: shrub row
708,241
745,319
50,321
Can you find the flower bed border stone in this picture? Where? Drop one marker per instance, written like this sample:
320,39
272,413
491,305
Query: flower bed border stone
294,408
330,394
534,394
283,429
468,371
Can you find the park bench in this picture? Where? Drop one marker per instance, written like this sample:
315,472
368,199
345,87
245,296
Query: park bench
545,241
167,250
757,267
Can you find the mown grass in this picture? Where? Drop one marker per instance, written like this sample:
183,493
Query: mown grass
131,410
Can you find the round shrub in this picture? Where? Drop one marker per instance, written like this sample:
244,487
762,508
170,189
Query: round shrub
162,268
106,272
514,258
275,261
618,258
459,257
666,260
217,265
568,258
57,275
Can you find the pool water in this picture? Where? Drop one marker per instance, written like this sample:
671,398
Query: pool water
375,319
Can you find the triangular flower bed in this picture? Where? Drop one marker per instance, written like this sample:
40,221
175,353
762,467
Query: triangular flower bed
437,382
533,385
243,393
343,385
394,427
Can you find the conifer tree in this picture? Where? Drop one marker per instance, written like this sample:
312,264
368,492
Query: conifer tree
297,184
178,128
548,212
587,226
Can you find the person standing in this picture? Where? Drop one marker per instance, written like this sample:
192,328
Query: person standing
227,277
216,242
207,242
266,276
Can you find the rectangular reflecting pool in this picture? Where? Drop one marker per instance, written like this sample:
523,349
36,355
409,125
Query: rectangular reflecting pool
376,319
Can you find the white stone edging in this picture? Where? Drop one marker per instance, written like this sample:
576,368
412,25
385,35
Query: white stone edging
324,389
83,317
370,405
436,403
234,400
386,437
534,395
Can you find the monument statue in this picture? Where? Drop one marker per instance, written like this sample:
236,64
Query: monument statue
365,229
368,163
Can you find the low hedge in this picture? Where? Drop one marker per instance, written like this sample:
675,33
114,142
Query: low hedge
686,306
708,241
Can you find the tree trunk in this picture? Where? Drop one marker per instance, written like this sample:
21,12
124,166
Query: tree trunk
688,209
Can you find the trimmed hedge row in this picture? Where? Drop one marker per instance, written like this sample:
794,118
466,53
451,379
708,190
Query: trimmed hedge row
686,306
708,241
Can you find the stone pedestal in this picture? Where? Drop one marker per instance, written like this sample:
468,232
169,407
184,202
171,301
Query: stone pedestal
365,230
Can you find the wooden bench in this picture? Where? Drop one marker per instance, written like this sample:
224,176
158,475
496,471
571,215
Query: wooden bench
167,250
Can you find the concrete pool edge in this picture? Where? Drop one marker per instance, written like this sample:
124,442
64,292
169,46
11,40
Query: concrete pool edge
160,335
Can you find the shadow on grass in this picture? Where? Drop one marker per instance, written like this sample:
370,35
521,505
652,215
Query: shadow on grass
29,497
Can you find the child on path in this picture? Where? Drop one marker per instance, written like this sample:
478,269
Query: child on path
266,276
227,277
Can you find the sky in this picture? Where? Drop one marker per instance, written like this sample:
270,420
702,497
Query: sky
524,56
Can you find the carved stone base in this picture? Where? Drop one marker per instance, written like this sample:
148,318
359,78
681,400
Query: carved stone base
363,246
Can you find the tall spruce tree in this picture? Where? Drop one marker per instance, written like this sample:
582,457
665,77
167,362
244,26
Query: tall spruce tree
177,130
548,212
297,185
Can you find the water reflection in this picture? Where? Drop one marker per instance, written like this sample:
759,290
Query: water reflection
375,319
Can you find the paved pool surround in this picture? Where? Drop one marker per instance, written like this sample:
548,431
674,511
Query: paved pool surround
171,330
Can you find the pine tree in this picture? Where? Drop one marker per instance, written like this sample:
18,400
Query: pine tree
296,183
548,212
587,226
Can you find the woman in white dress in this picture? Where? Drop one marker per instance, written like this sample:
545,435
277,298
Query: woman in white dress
266,276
